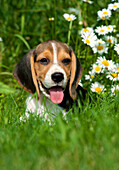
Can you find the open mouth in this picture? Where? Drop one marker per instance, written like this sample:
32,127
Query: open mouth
55,93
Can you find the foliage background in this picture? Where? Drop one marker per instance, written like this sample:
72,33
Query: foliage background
89,141
29,19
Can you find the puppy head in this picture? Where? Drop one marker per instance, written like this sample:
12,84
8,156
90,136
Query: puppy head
48,69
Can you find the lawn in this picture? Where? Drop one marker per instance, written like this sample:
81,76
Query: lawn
90,140
86,140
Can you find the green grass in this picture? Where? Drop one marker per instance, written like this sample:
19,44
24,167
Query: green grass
90,140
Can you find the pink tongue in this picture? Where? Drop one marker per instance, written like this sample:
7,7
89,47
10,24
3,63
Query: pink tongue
56,95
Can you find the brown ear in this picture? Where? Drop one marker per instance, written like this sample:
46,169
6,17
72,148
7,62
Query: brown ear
76,73
24,73
34,76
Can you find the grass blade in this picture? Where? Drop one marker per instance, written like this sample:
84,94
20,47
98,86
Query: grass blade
23,40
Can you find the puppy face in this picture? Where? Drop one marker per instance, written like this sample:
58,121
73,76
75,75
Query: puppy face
53,69
52,65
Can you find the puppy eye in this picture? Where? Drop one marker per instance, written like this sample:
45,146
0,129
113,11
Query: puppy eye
44,61
66,61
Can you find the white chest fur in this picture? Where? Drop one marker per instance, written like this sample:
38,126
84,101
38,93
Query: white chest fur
43,108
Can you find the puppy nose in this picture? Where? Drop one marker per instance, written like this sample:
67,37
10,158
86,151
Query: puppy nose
57,77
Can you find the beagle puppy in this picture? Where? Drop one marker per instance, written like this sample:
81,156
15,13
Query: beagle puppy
52,70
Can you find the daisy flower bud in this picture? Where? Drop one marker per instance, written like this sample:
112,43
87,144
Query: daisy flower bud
51,19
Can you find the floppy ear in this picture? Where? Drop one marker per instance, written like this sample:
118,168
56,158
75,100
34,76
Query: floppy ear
76,73
24,73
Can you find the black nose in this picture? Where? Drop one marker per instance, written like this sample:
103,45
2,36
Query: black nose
57,77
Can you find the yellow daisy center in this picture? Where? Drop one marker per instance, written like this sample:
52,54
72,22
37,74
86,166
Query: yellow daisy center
69,19
105,13
85,30
87,41
91,76
103,17
102,30
97,68
98,89
114,75
115,6
117,69
108,28
105,62
99,47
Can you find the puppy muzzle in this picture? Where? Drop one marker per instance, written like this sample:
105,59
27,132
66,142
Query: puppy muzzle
54,84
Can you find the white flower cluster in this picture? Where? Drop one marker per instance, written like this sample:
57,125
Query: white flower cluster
104,74
99,46
90,38
106,13
101,40
106,69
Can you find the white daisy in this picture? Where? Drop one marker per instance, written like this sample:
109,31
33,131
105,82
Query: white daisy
111,67
87,77
110,40
96,68
113,76
69,17
116,48
104,14
115,89
109,28
89,38
114,6
102,61
90,76
100,47
86,30
97,87
101,30
105,64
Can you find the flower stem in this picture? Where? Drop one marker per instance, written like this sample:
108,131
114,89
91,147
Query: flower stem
69,32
